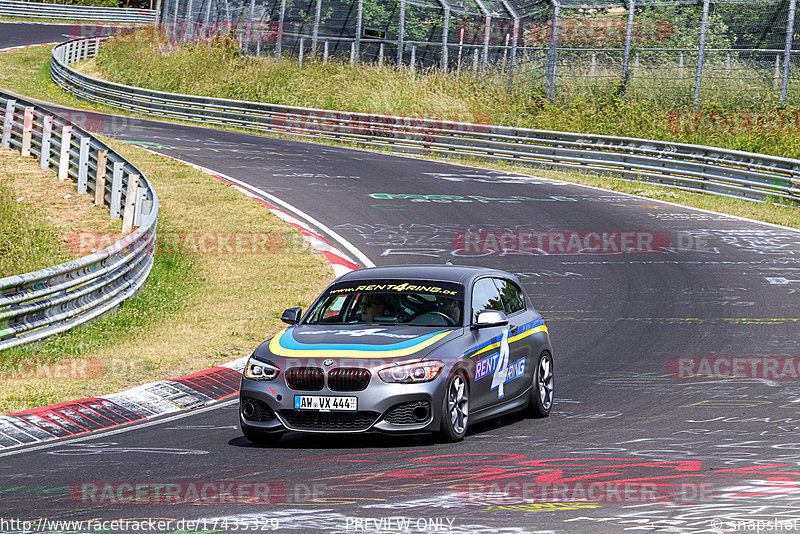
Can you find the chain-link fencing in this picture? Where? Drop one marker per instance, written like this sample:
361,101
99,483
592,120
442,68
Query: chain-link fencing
680,52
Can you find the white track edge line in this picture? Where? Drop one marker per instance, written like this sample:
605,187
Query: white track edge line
289,207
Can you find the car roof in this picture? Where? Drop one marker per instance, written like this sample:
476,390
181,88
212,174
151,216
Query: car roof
443,273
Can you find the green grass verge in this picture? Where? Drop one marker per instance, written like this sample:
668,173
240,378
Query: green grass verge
144,59
26,71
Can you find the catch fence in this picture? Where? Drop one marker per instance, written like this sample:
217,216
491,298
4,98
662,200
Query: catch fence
682,52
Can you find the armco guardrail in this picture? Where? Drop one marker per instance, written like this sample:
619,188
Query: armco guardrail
713,170
38,304
37,10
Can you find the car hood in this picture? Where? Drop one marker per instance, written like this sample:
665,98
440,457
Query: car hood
357,341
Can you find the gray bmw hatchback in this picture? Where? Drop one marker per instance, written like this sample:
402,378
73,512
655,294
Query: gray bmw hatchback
405,349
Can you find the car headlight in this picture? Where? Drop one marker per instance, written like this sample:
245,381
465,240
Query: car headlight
257,370
411,373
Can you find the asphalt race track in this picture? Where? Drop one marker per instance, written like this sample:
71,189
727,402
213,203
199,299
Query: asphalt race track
628,287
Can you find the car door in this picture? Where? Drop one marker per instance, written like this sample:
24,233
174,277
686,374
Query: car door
490,351
520,364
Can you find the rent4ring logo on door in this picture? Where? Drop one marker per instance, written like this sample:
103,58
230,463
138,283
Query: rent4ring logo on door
497,365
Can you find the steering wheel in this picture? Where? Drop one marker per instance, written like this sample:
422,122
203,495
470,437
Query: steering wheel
448,321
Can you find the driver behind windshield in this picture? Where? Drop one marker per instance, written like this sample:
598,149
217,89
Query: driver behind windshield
373,306
450,307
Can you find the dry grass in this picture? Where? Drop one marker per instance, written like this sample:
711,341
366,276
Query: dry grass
40,215
66,209
198,308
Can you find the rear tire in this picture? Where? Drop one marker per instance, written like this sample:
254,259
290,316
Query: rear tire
455,409
541,396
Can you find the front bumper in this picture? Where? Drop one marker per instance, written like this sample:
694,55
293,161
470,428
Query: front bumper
268,406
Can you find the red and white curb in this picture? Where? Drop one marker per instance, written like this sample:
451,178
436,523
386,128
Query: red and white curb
340,261
156,399
73,418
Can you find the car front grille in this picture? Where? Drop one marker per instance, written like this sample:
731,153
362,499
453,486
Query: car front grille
329,420
256,410
348,379
305,378
403,414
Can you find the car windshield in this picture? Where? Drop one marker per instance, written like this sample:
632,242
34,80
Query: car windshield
395,302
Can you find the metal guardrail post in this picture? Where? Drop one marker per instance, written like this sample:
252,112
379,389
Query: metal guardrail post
66,146
139,207
787,55
27,132
701,52
47,133
8,121
130,203
116,190
100,178
83,165
795,180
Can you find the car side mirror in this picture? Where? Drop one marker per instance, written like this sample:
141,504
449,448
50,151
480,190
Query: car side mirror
292,315
488,318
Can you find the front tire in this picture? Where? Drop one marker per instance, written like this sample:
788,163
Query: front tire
455,409
541,400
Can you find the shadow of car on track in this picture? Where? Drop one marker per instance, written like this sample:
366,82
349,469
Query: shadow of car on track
301,440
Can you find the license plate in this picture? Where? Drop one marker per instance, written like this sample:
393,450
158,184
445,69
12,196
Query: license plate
325,404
